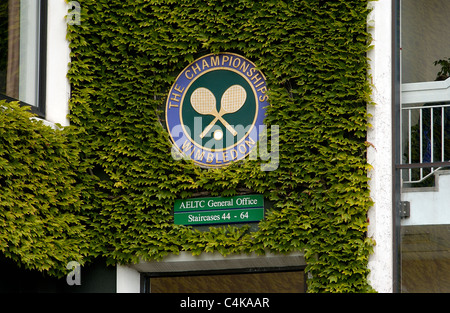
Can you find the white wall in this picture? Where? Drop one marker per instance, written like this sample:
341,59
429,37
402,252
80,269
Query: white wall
429,207
58,58
128,280
380,154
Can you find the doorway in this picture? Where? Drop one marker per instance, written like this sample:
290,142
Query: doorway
423,142
272,280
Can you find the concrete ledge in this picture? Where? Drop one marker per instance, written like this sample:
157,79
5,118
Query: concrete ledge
186,262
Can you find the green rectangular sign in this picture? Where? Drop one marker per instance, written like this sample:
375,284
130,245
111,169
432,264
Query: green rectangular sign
219,203
219,216
219,210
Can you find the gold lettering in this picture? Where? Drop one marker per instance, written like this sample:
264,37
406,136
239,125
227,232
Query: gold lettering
175,97
263,89
186,145
263,98
225,59
196,68
250,72
204,64
234,154
198,155
209,158
217,159
243,150
250,141
179,89
256,77
186,74
215,61
244,67
238,63
225,157
259,84
171,105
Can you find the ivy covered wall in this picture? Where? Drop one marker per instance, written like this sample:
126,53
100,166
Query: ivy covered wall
125,57
41,210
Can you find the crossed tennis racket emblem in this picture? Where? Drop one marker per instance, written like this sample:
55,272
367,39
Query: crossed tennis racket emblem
204,102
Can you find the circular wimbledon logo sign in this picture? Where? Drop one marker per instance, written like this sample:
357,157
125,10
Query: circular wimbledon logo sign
215,108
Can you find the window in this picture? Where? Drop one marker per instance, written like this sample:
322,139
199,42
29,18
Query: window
23,53
275,280
424,146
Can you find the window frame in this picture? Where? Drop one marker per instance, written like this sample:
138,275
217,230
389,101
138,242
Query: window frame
39,108
145,277
396,142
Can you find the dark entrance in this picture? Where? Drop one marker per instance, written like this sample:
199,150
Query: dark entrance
248,281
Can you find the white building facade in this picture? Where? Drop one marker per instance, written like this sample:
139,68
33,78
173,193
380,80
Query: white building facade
409,146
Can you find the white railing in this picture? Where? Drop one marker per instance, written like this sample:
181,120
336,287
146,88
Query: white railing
425,129
426,92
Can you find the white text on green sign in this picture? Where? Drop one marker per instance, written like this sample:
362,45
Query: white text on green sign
219,216
219,203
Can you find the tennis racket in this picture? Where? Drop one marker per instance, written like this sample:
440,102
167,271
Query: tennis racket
232,101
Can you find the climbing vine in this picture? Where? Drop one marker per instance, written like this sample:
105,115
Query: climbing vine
125,55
